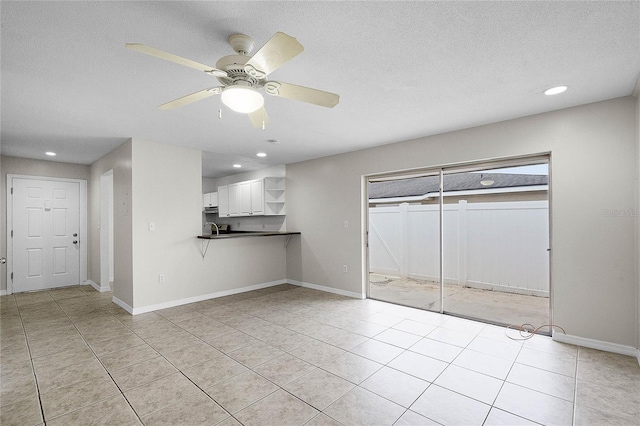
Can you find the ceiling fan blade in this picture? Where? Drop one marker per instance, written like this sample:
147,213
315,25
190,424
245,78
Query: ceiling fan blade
185,100
176,59
259,118
281,48
301,93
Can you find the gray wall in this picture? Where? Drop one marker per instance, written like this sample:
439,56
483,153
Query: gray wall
120,161
29,167
593,165
637,95
209,185
167,190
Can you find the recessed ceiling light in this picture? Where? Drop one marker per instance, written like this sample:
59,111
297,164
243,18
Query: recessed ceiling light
237,166
50,153
555,90
261,154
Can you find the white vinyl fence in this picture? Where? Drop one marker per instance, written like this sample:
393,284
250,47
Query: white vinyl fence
500,246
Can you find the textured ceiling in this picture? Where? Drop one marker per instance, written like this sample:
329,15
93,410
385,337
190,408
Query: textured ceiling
402,69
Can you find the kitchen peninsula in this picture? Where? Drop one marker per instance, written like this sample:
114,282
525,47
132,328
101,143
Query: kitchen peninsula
244,234
240,234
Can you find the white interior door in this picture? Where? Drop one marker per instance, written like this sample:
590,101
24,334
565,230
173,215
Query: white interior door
46,240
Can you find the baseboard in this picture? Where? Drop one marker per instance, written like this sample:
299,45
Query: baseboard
328,289
97,287
186,301
597,344
4,292
122,305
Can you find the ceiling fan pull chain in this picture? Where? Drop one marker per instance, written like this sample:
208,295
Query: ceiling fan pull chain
220,110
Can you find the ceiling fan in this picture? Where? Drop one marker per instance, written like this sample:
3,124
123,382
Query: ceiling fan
242,77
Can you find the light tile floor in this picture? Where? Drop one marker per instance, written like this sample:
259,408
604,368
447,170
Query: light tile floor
292,356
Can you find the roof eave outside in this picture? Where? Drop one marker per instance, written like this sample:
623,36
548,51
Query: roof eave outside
433,195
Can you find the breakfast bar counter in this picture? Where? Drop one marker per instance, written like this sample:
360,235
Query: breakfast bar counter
206,239
244,234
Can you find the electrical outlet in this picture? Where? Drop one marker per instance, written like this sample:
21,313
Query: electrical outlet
161,278
344,268
346,223
152,226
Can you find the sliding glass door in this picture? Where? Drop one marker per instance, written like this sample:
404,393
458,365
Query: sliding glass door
496,240
469,241
404,241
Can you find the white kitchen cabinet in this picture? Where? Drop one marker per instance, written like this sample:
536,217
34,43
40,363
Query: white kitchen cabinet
255,197
234,199
210,199
223,201
244,198
251,197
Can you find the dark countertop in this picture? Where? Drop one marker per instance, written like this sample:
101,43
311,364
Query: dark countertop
244,234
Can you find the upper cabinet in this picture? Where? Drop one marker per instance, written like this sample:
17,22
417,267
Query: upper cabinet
257,197
223,201
210,199
252,198
234,199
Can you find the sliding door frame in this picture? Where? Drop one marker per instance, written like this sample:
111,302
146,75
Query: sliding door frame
441,171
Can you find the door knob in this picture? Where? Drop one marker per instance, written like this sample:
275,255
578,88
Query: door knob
75,241
3,260
75,235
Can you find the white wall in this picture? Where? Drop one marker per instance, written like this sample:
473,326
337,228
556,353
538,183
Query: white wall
209,185
30,167
593,156
119,160
636,92
167,190
275,171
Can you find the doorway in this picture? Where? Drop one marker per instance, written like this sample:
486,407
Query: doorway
469,241
46,224
106,232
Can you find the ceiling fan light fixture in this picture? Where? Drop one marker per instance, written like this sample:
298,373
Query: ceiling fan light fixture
242,99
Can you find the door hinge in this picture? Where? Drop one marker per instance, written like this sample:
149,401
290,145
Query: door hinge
11,191
12,276
12,233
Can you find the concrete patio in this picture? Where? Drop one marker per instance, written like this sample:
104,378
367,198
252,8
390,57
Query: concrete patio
492,306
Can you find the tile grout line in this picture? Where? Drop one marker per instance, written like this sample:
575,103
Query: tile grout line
101,364
33,369
251,312
502,386
575,389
